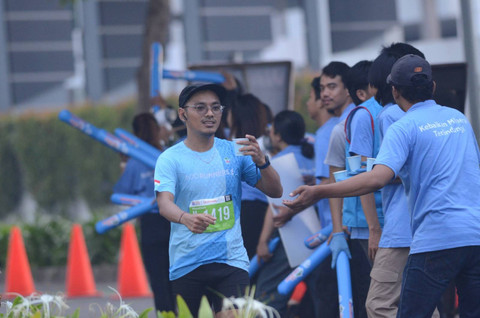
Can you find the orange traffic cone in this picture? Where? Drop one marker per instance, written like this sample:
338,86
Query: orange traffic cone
79,280
18,276
132,279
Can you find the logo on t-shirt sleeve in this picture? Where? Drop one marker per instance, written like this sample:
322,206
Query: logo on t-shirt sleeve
157,182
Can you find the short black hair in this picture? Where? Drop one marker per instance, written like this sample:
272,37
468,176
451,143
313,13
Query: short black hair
316,87
357,78
336,68
382,66
416,94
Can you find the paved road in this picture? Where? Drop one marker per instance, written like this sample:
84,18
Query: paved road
85,304
52,281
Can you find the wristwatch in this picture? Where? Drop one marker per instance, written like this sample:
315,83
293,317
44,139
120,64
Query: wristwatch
265,165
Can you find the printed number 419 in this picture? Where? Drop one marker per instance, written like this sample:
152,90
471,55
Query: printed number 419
223,213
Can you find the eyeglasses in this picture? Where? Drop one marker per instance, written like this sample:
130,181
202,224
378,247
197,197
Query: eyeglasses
202,109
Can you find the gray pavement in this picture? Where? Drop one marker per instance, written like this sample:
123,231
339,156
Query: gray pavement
87,304
51,281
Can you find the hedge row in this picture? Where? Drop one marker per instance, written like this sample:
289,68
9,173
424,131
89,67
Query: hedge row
47,239
56,163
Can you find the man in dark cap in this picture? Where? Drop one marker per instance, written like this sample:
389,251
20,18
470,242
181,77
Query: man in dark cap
434,151
198,189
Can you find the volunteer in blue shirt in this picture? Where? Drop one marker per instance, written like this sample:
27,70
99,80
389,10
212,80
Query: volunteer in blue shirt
322,283
348,214
434,151
364,214
198,189
325,121
137,179
391,257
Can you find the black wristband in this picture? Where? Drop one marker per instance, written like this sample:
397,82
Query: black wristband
265,165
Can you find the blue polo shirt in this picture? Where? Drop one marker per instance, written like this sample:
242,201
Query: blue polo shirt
434,151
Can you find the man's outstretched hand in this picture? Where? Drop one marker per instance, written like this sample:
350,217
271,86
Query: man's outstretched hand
307,196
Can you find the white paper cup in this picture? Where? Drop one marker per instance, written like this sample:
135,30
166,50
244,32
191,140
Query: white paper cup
238,146
370,162
354,162
340,175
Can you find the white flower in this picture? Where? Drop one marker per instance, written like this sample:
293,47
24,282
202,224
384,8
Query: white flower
247,306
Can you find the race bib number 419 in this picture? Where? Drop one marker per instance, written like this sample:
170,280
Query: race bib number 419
220,208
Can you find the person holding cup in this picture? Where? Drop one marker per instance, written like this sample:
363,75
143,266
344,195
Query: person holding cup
198,189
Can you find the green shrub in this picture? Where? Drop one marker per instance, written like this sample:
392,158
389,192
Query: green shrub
103,248
10,171
302,92
47,241
56,163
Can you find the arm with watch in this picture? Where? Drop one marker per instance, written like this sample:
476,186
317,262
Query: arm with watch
269,183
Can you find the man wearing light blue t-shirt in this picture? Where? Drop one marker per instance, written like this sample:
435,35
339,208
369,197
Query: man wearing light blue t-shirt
394,246
322,283
325,121
434,151
349,213
198,189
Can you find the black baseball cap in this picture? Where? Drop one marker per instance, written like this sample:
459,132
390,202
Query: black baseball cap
406,67
192,89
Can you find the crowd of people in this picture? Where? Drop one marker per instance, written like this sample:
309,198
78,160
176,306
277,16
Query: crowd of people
409,226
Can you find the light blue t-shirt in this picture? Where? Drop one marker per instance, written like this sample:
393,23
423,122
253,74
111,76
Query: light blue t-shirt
363,131
396,226
361,135
434,151
322,138
191,175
